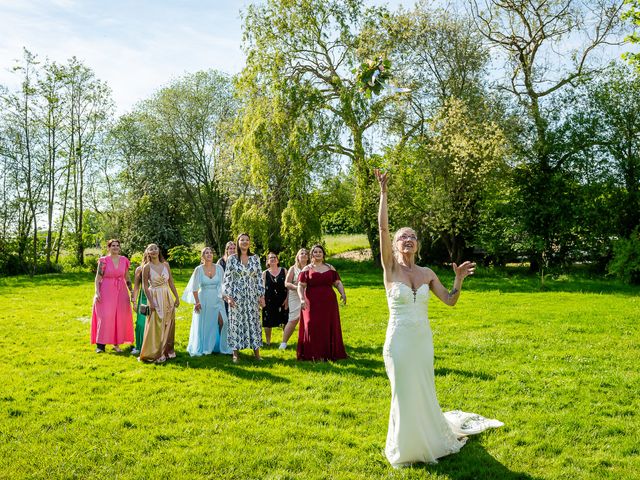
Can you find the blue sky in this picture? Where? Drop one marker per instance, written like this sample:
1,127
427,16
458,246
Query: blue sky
135,46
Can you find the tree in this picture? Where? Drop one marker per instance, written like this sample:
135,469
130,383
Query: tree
313,46
89,110
439,54
607,113
528,32
632,15
445,176
174,149
23,151
277,153
51,88
191,119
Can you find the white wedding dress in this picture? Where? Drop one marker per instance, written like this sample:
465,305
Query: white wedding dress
418,429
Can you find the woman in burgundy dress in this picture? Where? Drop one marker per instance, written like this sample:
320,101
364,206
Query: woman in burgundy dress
319,334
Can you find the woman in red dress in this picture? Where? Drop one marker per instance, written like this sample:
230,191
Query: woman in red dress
319,334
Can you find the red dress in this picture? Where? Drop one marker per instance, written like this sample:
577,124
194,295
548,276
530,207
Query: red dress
319,334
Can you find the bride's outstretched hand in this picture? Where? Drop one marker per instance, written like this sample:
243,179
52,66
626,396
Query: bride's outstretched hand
383,179
464,269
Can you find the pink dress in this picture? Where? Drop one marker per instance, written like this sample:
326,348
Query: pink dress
112,322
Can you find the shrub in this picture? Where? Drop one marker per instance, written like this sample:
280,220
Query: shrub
183,256
626,258
341,221
136,258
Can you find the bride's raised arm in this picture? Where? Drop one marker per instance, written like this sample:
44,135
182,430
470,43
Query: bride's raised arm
386,253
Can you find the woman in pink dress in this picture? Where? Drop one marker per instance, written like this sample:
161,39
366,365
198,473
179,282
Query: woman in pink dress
320,334
111,322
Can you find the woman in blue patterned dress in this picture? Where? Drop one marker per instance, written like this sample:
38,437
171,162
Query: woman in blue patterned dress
209,324
243,290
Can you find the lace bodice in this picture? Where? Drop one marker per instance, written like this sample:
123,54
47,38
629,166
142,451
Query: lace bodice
406,307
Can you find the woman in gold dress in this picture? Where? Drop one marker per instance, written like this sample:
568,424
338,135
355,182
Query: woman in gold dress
159,333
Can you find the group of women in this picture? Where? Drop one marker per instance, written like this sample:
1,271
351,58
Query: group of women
155,298
227,299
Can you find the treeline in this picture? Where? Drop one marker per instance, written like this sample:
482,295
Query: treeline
517,139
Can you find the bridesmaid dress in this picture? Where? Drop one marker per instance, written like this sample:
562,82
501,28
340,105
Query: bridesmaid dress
141,320
418,429
293,298
111,319
275,293
205,337
319,333
243,283
159,332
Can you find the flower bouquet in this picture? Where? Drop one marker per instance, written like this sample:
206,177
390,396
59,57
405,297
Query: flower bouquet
371,76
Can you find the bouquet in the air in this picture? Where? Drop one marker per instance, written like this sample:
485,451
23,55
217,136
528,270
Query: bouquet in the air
371,76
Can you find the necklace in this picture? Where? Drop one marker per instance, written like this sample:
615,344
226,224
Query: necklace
210,272
413,289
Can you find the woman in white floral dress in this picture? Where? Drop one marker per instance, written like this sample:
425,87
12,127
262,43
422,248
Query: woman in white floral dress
243,290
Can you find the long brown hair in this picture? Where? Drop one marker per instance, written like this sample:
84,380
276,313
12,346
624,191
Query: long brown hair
324,253
244,234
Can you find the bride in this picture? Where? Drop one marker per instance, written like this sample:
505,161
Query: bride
418,430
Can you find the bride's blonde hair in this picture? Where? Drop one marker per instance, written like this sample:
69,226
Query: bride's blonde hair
396,237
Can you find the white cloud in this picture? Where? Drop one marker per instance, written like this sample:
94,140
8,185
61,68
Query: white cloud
134,46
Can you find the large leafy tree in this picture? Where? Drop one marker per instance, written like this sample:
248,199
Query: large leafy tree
446,176
530,33
174,148
607,113
311,47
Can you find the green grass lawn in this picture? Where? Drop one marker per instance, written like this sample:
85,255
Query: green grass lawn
559,368
341,243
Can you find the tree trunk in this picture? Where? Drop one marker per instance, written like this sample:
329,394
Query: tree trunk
366,198
64,213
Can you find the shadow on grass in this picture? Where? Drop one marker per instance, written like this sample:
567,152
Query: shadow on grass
363,362
472,462
366,352
249,368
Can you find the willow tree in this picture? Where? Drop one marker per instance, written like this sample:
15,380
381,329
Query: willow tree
313,46
278,164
